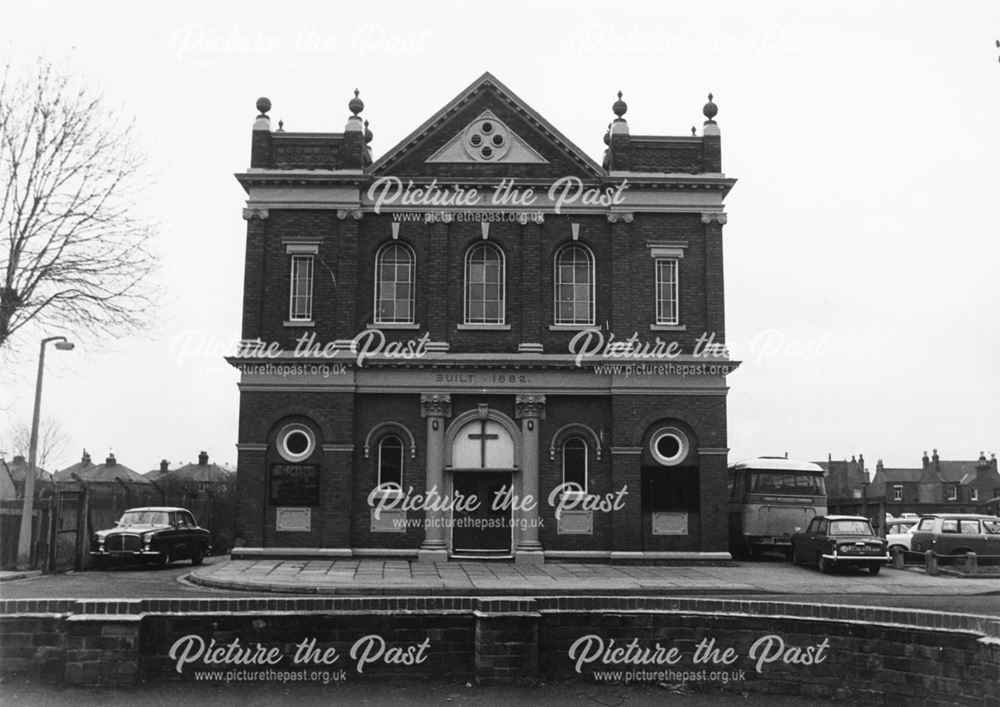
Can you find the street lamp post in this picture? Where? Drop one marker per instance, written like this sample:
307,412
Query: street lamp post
24,540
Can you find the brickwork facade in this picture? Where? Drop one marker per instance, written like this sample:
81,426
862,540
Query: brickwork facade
848,653
479,358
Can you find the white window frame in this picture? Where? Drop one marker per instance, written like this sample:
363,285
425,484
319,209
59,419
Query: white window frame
897,493
378,318
503,286
952,492
586,465
282,442
974,494
662,308
557,281
395,490
293,279
683,446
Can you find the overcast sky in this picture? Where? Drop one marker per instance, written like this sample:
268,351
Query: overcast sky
862,244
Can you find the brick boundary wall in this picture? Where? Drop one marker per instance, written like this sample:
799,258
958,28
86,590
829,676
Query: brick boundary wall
873,654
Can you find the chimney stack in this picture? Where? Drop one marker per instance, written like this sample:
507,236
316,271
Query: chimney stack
164,466
85,459
111,461
937,460
926,460
203,459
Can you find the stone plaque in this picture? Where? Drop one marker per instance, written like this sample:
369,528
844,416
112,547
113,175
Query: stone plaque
293,519
670,524
576,523
389,521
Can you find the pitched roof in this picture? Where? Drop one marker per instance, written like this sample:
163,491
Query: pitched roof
958,472
488,82
108,472
196,473
898,476
18,468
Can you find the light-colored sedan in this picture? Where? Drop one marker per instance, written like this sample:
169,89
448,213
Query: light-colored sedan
898,533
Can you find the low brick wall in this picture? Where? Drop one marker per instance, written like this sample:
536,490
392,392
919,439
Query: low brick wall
839,652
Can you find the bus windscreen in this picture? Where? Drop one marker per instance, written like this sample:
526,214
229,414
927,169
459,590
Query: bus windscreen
782,482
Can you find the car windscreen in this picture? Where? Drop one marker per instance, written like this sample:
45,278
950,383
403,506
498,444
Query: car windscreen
849,527
144,518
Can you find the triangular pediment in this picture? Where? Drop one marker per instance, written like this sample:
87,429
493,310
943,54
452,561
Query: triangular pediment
461,140
487,140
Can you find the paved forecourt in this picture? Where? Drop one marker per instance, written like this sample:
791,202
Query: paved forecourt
468,578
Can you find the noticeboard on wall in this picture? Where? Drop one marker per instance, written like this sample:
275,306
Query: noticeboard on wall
294,485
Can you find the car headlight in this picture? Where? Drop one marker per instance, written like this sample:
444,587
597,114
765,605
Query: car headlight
147,538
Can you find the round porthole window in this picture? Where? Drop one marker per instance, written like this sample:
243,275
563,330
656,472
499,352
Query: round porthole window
669,446
296,443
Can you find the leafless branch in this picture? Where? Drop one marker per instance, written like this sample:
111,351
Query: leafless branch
74,254
52,441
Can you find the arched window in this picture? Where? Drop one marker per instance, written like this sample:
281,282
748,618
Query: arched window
394,266
575,463
390,462
484,285
574,285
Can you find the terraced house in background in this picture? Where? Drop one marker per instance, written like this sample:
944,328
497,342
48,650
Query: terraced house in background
484,312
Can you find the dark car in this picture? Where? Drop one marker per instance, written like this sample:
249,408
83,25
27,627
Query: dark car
840,541
158,534
955,534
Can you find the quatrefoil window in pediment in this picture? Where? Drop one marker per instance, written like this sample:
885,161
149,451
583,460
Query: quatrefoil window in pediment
486,140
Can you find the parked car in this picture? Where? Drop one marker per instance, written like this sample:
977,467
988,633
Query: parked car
840,541
898,533
957,534
158,534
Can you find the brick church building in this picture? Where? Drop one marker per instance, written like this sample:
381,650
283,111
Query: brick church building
484,343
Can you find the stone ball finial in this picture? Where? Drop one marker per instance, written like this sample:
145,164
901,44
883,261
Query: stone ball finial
368,134
356,105
263,105
710,110
619,106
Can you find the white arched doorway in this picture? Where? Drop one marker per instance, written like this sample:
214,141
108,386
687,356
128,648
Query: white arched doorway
482,457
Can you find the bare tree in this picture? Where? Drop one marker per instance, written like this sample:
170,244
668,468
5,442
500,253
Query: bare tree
51,441
74,251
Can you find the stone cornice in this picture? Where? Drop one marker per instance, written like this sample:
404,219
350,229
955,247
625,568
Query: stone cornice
512,361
